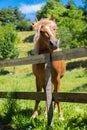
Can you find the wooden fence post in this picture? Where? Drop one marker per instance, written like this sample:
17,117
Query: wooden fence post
48,90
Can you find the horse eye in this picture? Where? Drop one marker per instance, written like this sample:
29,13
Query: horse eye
41,31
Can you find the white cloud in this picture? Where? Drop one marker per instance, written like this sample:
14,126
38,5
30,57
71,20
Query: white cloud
26,9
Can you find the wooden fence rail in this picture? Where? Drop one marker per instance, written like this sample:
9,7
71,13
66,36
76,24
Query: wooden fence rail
62,96
67,55
48,96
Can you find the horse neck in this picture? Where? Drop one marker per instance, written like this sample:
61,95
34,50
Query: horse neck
41,46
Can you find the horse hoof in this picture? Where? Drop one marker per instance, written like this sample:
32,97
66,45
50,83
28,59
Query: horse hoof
55,110
35,114
61,118
45,113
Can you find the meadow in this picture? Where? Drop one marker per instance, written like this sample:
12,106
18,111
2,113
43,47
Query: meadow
16,114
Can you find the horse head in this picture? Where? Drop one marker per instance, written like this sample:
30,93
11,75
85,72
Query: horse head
47,29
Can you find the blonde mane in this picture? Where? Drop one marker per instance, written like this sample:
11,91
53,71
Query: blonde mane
38,24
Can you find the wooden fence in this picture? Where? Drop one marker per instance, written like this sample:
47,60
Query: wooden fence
48,96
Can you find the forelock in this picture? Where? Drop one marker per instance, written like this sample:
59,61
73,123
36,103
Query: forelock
44,21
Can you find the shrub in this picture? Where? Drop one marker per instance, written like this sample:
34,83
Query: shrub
8,41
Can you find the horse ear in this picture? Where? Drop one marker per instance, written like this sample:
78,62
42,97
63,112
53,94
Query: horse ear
33,23
36,20
52,18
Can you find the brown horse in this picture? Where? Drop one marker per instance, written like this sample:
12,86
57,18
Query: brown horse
46,42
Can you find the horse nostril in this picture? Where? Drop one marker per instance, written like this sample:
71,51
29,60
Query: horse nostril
53,44
41,31
50,42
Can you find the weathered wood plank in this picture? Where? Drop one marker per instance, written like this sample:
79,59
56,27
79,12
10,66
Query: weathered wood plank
24,95
49,91
62,96
23,61
70,97
68,54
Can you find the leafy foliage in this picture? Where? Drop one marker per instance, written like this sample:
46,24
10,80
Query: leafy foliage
71,22
24,25
8,40
14,16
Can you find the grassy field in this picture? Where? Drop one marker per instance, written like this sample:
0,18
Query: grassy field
26,43
17,113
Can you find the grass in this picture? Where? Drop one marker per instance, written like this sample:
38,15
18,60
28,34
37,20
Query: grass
16,114
25,44
21,110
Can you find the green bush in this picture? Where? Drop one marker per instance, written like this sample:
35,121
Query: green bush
8,41
24,25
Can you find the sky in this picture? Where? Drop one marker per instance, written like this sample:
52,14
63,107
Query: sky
30,7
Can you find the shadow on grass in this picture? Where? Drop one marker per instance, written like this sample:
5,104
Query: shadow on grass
5,121
20,119
77,64
23,121
4,72
31,53
82,88
29,74
77,123
9,111
28,39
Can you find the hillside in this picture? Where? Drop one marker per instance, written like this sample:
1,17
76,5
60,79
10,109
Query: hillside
17,113
24,45
25,42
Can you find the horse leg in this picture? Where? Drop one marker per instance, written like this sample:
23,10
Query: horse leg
35,113
39,89
40,83
45,102
58,103
55,90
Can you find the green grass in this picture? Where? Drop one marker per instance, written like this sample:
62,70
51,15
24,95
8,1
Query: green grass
17,113
20,115
25,44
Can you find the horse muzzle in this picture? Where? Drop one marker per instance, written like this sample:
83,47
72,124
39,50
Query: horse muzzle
53,44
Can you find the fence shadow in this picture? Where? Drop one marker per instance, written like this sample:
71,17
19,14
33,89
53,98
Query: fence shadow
22,117
7,119
77,64
24,114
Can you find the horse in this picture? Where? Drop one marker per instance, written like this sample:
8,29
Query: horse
46,42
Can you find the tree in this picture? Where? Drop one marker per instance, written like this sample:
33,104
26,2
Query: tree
76,25
51,7
85,2
8,41
70,22
12,15
24,25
